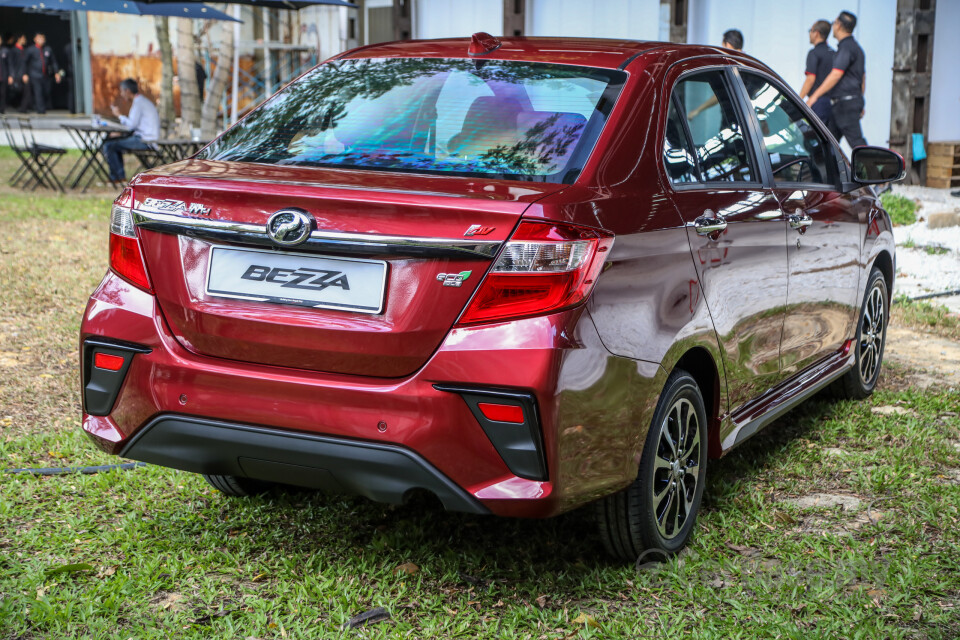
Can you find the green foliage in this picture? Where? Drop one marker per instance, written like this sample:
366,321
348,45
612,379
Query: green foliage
935,250
902,209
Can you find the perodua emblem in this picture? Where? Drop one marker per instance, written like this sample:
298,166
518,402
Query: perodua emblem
289,227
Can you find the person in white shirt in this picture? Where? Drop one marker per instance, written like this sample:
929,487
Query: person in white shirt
143,119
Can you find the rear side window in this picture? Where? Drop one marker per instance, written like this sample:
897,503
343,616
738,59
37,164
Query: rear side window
677,151
516,120
797,151
715,129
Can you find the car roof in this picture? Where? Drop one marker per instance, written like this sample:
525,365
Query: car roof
590,52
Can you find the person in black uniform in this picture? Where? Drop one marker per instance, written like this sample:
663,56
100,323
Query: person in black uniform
6,70
15,66
819,65
66,74
732,39
848,82
201,78
40,70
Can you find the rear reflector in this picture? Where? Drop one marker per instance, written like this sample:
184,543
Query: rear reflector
501,412
108,361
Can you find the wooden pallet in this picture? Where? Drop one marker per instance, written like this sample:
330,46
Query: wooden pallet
943,165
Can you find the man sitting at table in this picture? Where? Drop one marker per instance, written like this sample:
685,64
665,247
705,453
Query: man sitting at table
143,119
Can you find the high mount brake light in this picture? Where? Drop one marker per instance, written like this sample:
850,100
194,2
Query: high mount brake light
545,267
126,258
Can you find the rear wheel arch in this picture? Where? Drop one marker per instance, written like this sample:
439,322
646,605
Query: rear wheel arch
702,367
884,262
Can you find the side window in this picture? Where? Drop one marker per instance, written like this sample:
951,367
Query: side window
798,153
677,152
717,132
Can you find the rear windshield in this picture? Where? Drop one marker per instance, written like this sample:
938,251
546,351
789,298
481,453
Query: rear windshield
514,120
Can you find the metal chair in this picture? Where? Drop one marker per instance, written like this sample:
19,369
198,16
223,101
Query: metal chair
150,157
45,156
154,156
30,174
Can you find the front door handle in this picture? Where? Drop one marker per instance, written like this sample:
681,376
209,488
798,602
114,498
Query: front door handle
709,224
800,222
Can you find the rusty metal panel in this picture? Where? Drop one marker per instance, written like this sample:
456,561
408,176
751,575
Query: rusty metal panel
122,46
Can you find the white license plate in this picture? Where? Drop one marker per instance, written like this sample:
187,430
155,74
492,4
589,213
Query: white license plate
297,279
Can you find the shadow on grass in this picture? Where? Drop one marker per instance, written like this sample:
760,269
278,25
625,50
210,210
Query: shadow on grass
559,555
726,476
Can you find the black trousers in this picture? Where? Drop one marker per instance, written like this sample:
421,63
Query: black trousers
71,99
42,87
3,93
845,121
26,96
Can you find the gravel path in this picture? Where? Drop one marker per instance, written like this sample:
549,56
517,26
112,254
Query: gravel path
933,264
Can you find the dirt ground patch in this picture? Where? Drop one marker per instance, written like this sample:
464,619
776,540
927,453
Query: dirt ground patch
932,360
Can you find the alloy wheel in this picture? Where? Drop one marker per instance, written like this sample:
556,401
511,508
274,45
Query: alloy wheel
871,335
676,468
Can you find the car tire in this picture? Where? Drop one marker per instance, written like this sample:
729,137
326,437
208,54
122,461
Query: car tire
644,515
860,381
238,486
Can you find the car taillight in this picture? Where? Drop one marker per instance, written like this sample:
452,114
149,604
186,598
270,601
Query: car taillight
545,267
126,259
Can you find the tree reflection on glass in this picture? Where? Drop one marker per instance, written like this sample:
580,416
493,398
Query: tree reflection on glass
506,119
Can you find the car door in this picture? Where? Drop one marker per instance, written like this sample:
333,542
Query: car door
736,231
823,245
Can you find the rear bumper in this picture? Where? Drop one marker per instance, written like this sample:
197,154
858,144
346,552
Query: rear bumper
381,472
588,403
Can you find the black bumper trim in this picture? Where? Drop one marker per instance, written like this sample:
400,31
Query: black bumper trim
381,472
100,386
520,445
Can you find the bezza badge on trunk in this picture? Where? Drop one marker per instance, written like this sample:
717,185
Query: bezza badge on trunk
289,227
176,206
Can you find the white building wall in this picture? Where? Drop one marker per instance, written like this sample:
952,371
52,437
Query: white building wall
456,18
325,29
776,33
945,83
628,19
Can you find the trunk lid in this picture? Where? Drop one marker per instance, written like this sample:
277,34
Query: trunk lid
405,229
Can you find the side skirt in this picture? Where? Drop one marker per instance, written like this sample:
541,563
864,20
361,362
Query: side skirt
758,413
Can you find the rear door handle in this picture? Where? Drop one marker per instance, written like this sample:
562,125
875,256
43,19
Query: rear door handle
768,215
709,224
800,222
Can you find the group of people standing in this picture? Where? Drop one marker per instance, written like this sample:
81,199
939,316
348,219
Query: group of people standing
835,79
29,71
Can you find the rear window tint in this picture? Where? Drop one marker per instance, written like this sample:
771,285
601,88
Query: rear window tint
515,120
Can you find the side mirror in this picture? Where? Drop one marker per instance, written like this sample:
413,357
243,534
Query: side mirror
876,165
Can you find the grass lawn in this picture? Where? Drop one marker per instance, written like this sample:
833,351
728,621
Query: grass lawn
156,553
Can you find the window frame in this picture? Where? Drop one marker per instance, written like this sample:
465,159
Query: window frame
736,91
831,148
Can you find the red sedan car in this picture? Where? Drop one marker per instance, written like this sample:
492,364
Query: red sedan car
522,275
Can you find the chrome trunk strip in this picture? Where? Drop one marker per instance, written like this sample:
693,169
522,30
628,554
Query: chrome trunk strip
319,241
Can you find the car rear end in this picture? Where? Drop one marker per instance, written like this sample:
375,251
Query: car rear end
353,289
